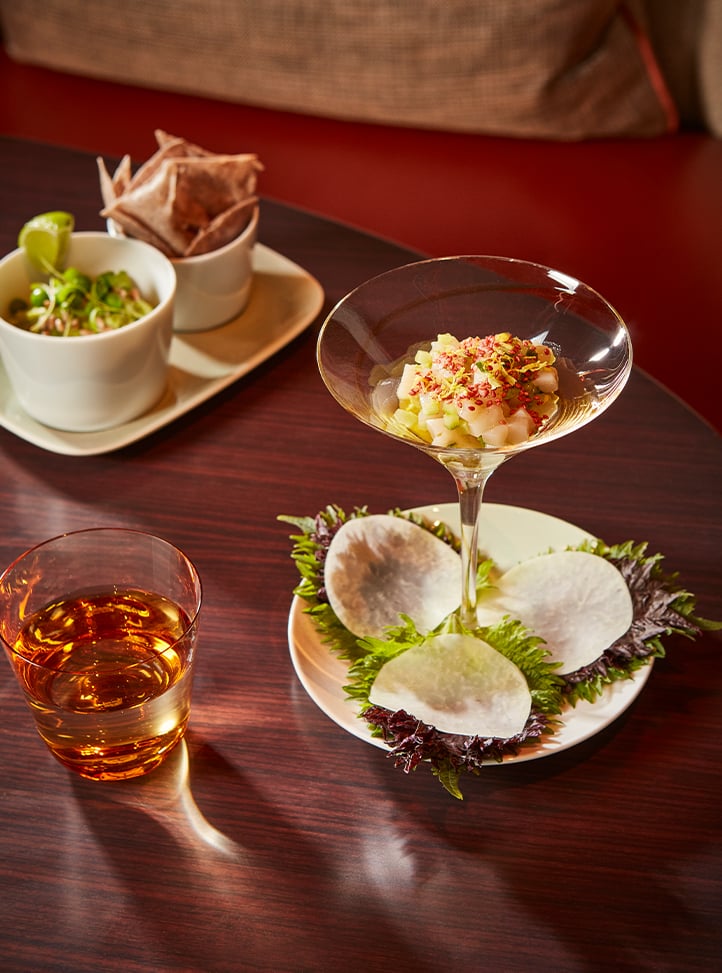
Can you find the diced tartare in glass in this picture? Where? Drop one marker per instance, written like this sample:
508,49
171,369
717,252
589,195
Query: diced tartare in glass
479,392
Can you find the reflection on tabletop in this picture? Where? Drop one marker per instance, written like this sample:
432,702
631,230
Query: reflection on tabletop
164,795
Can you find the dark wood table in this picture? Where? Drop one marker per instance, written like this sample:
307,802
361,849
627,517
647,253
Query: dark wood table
275,841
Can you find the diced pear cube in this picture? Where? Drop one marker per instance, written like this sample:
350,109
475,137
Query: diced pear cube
546,380
385,396
436,426
485,418
444,342
430,406
520,426
456,437
479,377
497,435
407,381
467,408
446,437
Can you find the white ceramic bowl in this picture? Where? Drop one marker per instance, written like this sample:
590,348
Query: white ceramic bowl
91,382
213,288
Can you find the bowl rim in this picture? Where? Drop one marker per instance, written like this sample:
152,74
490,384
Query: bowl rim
115,231
151,252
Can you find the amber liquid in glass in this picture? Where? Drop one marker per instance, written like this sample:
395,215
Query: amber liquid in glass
108,677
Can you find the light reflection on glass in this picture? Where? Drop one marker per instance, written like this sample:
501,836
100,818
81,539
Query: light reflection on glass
569,284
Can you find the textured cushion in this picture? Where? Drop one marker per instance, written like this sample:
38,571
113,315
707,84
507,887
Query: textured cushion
687,39
562,69
710,59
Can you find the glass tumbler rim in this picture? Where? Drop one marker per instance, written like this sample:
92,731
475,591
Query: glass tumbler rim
109,529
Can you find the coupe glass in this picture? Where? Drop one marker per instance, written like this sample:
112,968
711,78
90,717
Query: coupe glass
387,318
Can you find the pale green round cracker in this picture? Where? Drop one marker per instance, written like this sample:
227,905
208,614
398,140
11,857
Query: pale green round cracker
379,567
578,602
458,684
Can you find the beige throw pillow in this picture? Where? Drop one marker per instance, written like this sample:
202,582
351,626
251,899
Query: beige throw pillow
564,69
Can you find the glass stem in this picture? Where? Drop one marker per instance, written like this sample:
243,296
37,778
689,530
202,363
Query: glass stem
470,486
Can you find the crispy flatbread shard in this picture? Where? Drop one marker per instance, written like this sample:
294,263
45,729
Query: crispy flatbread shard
458,684
135,227
107,190
189,148
380,567
184,200
122,175
151,204
210,186
170,148
224,228
112,186
578,602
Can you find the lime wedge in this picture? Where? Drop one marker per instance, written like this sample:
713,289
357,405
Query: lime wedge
45,239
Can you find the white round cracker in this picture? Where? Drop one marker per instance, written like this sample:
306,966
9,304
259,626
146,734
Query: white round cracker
578,602
457,683
381,566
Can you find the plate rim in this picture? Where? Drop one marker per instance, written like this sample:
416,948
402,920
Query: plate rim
108,440
590,718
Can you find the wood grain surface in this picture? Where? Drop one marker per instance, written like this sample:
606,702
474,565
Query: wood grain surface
272,840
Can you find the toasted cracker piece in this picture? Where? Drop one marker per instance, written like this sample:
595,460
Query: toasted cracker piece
122,175
214,185
150,205
184,200
132,226
157,161
225,227
107,189
163,139
113,186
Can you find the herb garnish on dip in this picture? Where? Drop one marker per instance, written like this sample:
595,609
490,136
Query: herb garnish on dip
69,303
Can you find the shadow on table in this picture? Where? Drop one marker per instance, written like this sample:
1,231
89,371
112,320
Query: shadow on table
246,890
613,886
582,855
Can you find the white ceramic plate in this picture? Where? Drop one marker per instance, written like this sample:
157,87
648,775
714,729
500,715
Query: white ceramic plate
508,535
285,299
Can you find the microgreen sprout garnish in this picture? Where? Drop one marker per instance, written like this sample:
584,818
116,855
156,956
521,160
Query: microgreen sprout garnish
69,303
661,608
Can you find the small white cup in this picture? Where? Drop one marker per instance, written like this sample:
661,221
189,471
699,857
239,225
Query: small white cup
91,382
213,288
